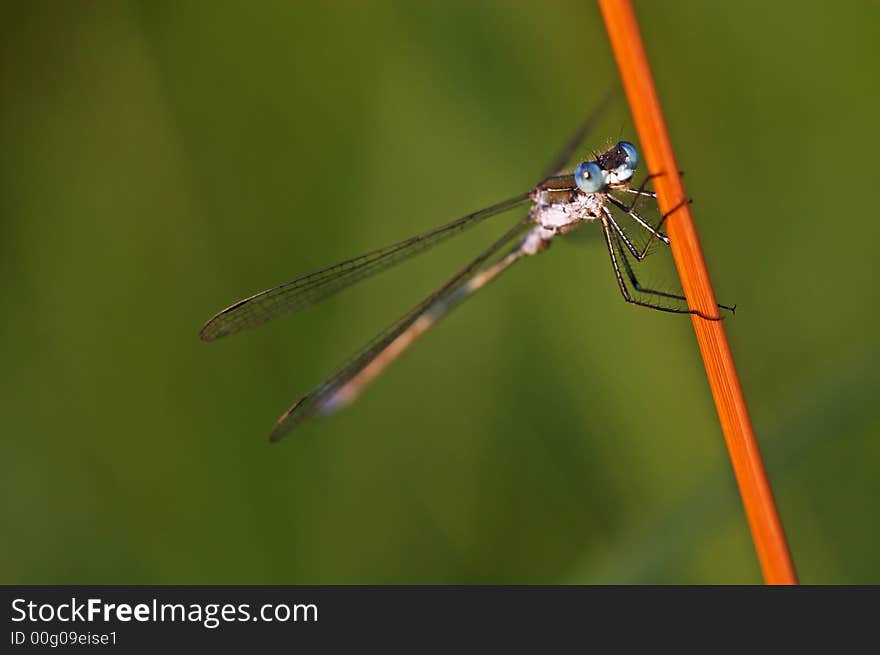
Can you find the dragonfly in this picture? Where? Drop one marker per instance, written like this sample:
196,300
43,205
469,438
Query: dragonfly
599,190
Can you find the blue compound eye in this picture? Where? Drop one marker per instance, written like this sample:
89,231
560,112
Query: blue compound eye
632,155
589,177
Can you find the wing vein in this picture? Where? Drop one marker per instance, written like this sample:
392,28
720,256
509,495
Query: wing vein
313,401
309,289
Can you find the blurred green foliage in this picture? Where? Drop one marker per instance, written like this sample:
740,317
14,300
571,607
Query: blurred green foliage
162,159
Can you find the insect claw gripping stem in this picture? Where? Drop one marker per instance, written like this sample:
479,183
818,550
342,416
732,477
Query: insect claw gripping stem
763,518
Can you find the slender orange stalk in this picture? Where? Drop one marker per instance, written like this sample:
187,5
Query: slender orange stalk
763,518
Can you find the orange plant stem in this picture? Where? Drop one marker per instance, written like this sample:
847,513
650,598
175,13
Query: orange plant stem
748,467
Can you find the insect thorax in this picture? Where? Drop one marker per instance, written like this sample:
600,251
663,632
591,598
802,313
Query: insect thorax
556,212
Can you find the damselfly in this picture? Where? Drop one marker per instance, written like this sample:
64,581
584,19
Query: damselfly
595,191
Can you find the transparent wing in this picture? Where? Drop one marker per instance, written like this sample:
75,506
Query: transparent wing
309,289
322,399
565,155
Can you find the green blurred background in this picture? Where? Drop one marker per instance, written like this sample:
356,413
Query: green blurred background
162,159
